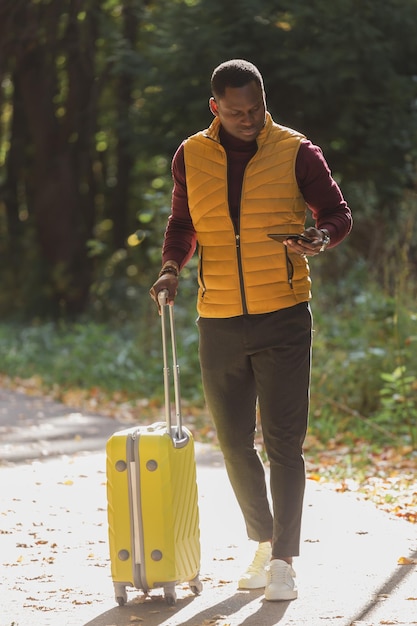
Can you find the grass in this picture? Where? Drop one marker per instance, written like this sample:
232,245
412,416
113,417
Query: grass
364,376
362,434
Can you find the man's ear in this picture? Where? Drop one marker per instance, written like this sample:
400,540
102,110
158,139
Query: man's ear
213,107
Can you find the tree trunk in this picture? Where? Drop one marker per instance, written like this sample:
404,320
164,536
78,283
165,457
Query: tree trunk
61,135
124,153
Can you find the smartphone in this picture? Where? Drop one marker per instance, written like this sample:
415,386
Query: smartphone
283,237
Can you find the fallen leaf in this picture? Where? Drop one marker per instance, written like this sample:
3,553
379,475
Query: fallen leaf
404,560
80,602
342,487
49,560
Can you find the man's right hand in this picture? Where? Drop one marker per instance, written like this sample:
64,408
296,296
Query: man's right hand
167,280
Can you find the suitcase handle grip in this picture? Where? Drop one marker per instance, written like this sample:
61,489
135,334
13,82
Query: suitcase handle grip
163,297
163,301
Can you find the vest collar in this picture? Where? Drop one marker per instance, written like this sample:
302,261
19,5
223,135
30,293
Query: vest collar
212,131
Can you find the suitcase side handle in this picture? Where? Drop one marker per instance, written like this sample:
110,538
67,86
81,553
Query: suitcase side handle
163,302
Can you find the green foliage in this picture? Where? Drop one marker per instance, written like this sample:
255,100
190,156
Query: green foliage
399,402
84,157
336,71
94,102
89,355
365,367
364,376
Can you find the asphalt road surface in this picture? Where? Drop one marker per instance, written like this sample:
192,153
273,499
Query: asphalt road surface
54,559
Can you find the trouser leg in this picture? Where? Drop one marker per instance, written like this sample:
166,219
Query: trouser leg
264,356
282,373
230,393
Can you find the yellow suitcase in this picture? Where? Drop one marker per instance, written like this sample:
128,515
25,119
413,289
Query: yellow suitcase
152,500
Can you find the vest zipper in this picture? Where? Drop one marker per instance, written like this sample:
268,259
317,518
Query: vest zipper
239,265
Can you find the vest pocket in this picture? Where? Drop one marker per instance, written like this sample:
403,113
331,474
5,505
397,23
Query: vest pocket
290,267
200,275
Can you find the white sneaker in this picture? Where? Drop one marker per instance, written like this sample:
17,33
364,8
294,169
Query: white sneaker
280,584
255,575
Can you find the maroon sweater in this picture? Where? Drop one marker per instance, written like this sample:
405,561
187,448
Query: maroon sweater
319,189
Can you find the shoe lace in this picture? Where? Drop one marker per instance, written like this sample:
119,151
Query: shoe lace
280,573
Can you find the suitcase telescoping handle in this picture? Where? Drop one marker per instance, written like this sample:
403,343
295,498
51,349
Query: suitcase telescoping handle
163,303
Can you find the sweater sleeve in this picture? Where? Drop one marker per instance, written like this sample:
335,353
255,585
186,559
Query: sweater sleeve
180,237
321,192
319,189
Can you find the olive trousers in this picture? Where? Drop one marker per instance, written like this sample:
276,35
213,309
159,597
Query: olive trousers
261,361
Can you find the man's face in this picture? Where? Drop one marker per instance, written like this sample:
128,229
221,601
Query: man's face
241,111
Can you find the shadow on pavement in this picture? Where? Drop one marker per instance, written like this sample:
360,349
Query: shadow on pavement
350,548
396,578
155,612
33,428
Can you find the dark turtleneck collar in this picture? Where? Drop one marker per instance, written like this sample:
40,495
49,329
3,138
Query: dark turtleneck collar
232,143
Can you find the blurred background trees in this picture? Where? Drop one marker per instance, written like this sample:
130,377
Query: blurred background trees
96,95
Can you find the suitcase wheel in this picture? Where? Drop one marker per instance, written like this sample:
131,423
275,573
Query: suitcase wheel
196,586
120,594
170,595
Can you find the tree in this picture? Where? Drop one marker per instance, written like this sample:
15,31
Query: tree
342,72
50,47
95,96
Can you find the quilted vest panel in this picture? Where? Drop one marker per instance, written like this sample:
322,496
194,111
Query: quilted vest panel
245,271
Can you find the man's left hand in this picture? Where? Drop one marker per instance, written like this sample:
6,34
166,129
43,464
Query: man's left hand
319,240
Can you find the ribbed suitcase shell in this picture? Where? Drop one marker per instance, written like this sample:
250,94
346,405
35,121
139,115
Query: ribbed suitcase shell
152,510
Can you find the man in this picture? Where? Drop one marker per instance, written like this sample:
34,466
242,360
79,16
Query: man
236,183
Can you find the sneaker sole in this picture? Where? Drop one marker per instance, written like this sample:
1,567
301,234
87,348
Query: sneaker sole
248,585
290,595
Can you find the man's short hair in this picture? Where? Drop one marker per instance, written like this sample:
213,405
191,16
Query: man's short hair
234,73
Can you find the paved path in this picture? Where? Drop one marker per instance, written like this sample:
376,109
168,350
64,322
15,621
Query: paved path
53,541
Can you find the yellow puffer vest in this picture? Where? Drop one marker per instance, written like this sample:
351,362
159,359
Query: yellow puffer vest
246,271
